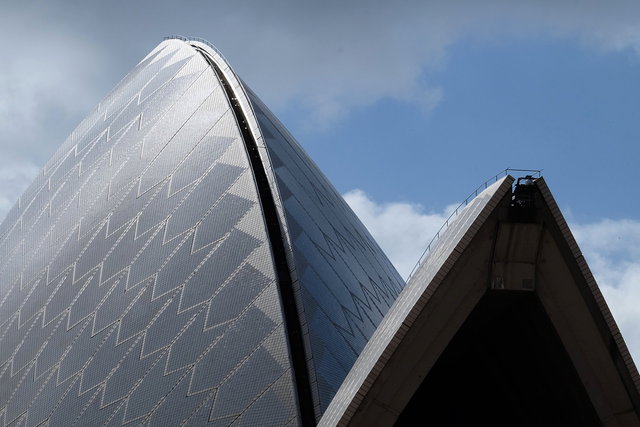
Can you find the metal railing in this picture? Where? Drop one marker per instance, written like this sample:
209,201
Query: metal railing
466,201
227,65
196,39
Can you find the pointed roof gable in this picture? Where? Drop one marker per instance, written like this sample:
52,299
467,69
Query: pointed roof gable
502,319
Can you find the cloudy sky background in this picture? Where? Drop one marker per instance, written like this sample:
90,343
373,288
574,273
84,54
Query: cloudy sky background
407,106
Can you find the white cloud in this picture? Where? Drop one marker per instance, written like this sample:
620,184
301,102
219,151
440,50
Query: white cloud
47,84
403,230
324,58
612,250
331,57
611,247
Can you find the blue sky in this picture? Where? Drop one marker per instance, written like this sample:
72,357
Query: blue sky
407,106
540,104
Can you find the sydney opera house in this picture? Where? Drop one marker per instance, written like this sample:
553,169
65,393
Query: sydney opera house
181,261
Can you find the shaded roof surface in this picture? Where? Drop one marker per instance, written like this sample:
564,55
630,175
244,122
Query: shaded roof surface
346,283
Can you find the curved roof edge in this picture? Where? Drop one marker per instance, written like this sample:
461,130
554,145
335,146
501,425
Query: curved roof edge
280,234
245,104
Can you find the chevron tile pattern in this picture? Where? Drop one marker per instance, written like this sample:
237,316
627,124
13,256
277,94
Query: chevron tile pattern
345,283
137,285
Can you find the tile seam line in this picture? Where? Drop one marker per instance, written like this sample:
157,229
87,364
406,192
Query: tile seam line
278,247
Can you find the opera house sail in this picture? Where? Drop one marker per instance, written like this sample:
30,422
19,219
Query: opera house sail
180,260
502,324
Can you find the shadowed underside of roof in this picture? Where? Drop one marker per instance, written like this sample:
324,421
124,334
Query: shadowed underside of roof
502,324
